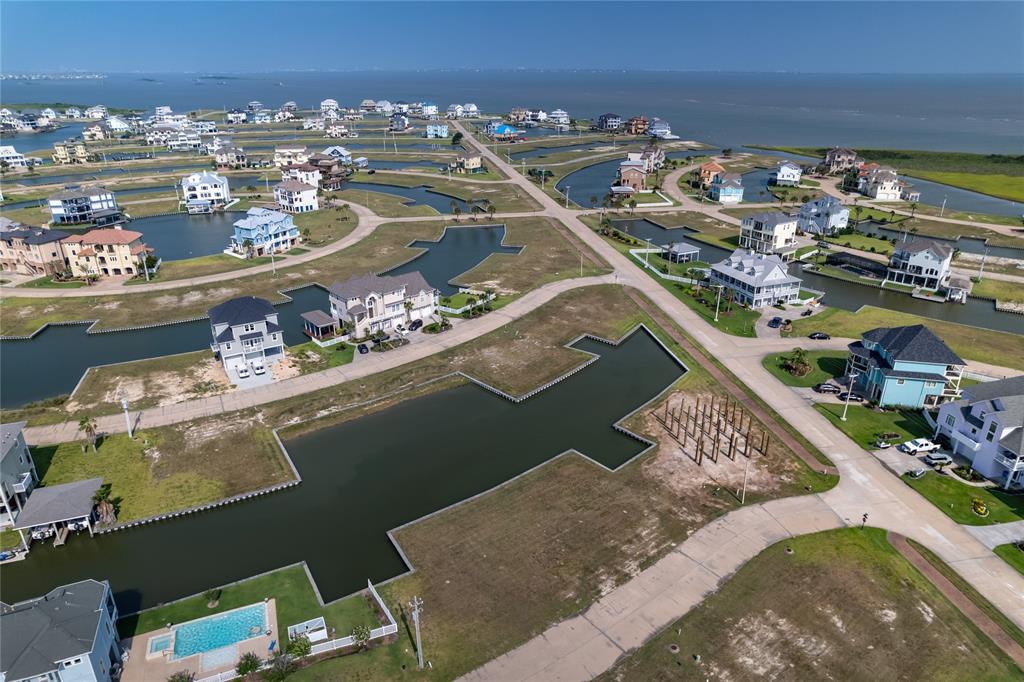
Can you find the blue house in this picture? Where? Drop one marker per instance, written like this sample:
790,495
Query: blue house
262,232
727,188
904,367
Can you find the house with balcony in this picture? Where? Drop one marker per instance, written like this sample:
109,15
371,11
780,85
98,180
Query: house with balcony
82,204
73,112
609,122
329,104
184,141
771,232
398,123
376,303
879,182
467,164
338,130
839,160
825,216
455,111
920,263
12,157
18,474
756,279
429,111
96,112
106,252
262,232
205,191
436,131
904,367
632,177
559,117
986,427
313,123
292,196
786,174
68,634
236,116
288,155
203,127
652,157
307,173
637,125
246,334
32,250
230,157
708,172
727,188
661,130
96,132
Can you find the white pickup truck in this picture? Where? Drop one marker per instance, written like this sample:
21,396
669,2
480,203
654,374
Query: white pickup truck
918,446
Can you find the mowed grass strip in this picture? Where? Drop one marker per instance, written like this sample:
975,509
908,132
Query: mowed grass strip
863,424
1012,554
826,365
956,500
843,605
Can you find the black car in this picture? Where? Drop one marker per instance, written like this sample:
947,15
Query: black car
775,322
819,336
828,388
852,397
415,325
807,313
363,350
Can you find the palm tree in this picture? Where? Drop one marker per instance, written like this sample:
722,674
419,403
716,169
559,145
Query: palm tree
247,247
453,205
105,506
857,209
913,209
632,206
88,426
457,211
593,201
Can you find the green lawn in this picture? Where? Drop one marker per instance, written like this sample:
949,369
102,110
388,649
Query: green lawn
48,283
9,539
296,602
313,358
863,424
825,365
862,242
954,498
997,185
1000,290
1011,554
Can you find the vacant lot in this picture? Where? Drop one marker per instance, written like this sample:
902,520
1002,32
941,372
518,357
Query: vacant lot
844,605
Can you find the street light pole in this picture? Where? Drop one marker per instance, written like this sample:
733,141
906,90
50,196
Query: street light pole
849,393
567,188
127,419
647,254
416,604
718,300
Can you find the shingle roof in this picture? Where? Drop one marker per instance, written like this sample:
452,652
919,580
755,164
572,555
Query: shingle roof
915,343
943,251
241,310
9,436
361,286
76,192
107,235
33,235
772,218
318,318
995,389
294,186
56,503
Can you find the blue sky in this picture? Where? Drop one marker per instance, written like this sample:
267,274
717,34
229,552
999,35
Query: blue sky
840,37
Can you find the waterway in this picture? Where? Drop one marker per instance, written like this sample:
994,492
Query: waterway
594,180
178,236
95,174
67,351
422,194
38,142
933,194
234,182
965,244
352,471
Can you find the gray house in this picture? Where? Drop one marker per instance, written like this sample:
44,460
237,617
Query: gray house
920,263
824,215
69,634
17,472
246,335
756,279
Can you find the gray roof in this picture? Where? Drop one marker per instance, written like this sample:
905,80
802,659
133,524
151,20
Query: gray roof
251,335
319,318
772,218
988,390
915,343
35,634
681,247
78,191
9,436
294,186
943,251
35,235
56,503
241,311
361,286
754,268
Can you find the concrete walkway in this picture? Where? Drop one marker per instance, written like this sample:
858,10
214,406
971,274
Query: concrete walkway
998,533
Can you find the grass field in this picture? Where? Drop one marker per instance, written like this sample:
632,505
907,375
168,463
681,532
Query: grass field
971,343
384,204
863,424
954,498
843,605
504,196
1011,554
1001,290
313,358
203,265
825,365
862,242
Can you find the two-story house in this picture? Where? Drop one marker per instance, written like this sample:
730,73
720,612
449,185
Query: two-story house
772,232
12,157
262,232
756,279
824,215
32,250
632,177
292,196
467,163
840,160
69,634
652,157
307,173
436,130
708,172
230,157
637,125
79,204
920,263
374,303
289,155
904,367
559,117
106,252
246,334
987,427
204,191
69,151
879,182
18,474
786,174
727,188
236,116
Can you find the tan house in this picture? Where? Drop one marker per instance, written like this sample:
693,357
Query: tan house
377,303
290,155
69,151
107,252
467,163
32,250
633,175
708,172
638,125
96,131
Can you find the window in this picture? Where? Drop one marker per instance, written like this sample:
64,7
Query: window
950,420
992,428
249,328
900,382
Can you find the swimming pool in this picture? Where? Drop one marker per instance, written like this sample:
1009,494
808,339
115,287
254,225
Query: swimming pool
214,632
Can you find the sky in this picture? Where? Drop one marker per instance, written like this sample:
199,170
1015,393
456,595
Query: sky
237,37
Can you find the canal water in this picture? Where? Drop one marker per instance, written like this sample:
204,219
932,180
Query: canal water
594,180
336,520
177,236
96,174
67,351
422,194
234,182
30,142
965,244
932,194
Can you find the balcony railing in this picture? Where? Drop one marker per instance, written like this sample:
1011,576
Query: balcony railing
1009,464
23,484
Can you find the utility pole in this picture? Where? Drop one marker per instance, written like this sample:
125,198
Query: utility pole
416,604
849,393
943,209
743,494
981,270
127,419
718,301
647,254
567,188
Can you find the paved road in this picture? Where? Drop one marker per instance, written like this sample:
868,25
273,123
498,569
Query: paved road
585,645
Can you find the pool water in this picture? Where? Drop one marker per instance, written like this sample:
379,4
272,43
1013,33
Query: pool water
224,629
158,645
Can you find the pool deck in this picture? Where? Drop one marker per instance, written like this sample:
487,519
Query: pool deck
140,669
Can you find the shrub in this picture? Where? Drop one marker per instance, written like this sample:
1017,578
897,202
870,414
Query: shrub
248,664
182,676
361,635
979,507
211,597
300,646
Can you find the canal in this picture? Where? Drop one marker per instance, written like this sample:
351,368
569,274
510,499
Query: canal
361,479
421,194
66,351
31,142
84,177
595,180
234,182
965,244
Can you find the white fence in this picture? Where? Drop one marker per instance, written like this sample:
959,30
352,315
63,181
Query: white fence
643,258
458,311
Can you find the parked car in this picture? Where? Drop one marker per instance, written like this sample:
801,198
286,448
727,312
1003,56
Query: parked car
415,325
819,336
259,370
363,350
823,245
775,322
41,532
78,524
828,388
852,397
243,372
882,443
917,473
401,329
937,459
918,445
807,313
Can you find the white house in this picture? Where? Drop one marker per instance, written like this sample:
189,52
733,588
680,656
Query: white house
229,157
288,155
254,105
236,116
204,127
18,474
303,172
184,141
399,123
772,232
537,115
383,106
786,174
429,110
49,113
879,182
340,153
455,111
118,124
73,112
262,116
920,263
97,112
77,204
824,215
204,190
470,110
293,196
660,129
283,115
290,106
246,335
559,116
436,130
987,428
313,123
329,105
12,157
337,130
756,279
375,303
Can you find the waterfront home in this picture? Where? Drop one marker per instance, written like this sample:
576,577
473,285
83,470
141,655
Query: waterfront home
340,153
32,250
337,130
96,131
922,263
399,123
609,122
367,105
307,173
436,130
96,112
632,175
661,130
708,172
987,428
536,115
204,191
652,157
282,116
72,112
517,114
376,303
330,116
106,252
236,116
262,116
904,367
840,160
878,182
287,155
78,204
756,279
203,127
385,107
680,252
159,134
118,125
184,140
262,232
49,113
69,151
402,107
770,232
68,634
12,158
429,111
824,215
786,174
18,474
313,123
470,110
254,106
454,111
329,105
292,196
908,193
727,188
331,169
637,125
161,111
503,133
246,334
559,117
229,157
466,163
